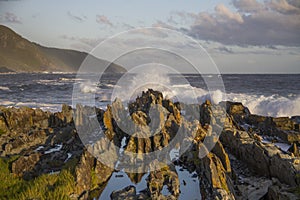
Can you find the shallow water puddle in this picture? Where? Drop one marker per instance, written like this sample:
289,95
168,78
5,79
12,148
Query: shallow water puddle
281,145
120,180
56,148
189,184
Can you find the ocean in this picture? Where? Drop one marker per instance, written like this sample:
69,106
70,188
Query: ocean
264,94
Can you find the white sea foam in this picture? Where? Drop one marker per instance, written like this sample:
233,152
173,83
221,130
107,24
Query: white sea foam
6,103
49,82
55,107
129,87
88,87
4,88
274,105
59,72
70,79
44,106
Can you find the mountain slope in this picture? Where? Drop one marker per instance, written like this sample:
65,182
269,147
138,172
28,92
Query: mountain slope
19,54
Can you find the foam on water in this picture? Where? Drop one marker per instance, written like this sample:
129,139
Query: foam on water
88,87
273,105
6,103
4,88
44,106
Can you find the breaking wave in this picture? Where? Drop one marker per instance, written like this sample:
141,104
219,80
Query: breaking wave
273,105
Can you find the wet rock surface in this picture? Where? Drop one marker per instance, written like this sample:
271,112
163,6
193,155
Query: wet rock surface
254,157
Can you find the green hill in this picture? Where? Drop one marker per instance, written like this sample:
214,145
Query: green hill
20,55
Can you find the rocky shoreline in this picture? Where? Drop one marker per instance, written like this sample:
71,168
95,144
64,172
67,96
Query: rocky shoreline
255,157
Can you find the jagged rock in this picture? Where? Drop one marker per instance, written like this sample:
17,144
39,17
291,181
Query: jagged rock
154,123
282,127
4,126
139,118
108,119
283,123
23,118
294,150
276,192
62,118
83,173
105,151
78,115
219,151
173,108
132,145
67,113
266,160
236,108
144,102
165,176
90,171
25,164
63,135
253,189
237,112
102,173
214,171
283,168
205,113
214,179
128,193
135,177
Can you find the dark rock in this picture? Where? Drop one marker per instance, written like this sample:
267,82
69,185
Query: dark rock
278,192
83,173
25,164
294,150
128,193
219,151
266,160
205,113
102,173
165,176
235,108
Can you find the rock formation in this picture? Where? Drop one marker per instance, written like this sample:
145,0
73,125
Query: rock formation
255,157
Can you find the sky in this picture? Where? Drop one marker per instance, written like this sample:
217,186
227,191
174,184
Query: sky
241,36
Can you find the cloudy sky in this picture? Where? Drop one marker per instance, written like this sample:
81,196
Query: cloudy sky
242,36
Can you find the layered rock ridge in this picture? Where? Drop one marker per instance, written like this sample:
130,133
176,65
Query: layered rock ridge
253,157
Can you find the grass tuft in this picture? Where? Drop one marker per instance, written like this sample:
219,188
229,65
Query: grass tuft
46,186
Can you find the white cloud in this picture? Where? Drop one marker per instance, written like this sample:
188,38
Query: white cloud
223,11
254,23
